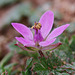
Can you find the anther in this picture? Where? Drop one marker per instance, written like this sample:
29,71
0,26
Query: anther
36,26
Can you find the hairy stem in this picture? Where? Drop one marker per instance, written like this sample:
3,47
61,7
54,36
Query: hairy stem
41,53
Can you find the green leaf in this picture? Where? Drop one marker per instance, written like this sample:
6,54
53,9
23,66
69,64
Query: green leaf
29,63
24,53
39,67
6,59
61,73
27,72
13,47
72,44
44,62
14,72
23,73
8,67
65,74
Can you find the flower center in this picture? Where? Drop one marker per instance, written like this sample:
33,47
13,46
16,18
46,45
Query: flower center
36,26
37,35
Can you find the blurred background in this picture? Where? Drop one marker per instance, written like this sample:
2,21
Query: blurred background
29,11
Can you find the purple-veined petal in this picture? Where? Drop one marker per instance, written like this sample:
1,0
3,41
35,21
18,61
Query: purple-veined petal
56,32
51,47
47,22
25,42
46,43
23,30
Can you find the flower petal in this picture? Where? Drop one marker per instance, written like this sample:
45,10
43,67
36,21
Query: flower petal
51,47
22,29
25,42
46,43
47,22
56,32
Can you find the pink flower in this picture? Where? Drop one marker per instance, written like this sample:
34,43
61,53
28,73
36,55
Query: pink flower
42,37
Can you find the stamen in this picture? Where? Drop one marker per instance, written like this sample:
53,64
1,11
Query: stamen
36,26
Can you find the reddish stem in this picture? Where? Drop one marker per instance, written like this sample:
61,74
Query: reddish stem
41,53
